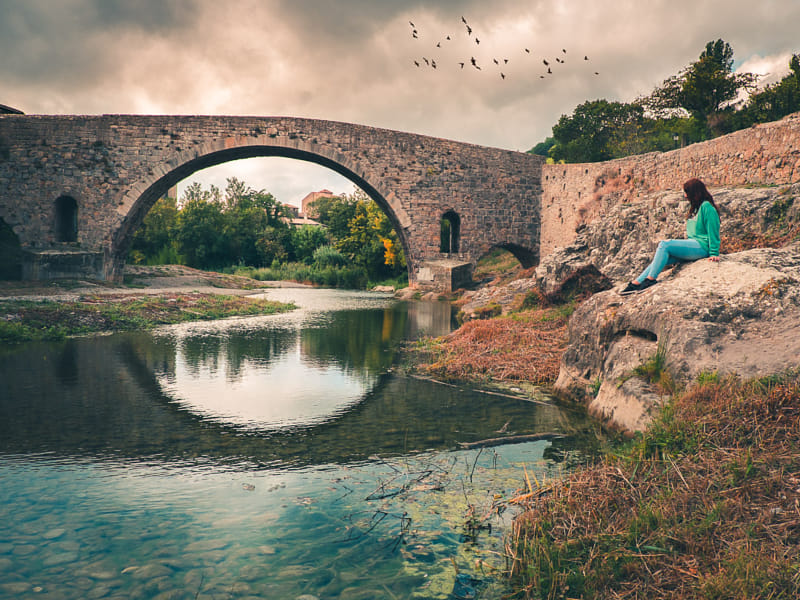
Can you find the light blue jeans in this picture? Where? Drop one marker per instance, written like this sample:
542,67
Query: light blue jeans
670,252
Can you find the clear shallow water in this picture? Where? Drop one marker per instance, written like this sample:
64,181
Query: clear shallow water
270,457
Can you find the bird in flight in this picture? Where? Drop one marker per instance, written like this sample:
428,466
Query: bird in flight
545,63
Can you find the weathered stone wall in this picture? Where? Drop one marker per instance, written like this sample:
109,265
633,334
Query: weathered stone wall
573,194
117,166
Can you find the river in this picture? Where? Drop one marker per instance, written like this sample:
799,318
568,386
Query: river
264,457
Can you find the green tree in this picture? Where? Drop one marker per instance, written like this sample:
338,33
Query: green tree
543,148
254,231
588,135
363,233
306,240
702,88
199,234
774,101
154,241
335,213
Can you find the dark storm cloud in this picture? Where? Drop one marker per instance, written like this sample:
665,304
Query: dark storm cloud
353,60
71,42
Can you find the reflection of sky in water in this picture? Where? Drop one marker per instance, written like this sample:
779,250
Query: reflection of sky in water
287,391
289,388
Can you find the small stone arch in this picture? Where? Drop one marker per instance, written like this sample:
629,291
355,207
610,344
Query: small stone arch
527,257
66,219
449,232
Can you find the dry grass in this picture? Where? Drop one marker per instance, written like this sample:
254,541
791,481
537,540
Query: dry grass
706,504
525,346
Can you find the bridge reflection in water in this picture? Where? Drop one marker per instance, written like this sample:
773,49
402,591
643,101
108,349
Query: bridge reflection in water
230,395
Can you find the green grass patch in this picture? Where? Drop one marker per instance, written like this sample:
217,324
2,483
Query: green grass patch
25,320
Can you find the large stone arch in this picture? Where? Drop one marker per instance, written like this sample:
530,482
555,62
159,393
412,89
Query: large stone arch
154,188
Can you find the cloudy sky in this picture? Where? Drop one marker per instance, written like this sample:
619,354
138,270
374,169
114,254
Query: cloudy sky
354,61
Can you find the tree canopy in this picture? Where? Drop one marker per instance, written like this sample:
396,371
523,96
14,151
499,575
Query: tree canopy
211,229
703,100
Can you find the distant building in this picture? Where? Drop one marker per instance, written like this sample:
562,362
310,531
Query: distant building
296,218
308,211
302,221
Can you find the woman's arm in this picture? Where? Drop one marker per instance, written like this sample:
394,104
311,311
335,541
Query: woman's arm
710,220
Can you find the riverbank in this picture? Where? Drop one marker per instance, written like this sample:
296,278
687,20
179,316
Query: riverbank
704,504
150,296
523,347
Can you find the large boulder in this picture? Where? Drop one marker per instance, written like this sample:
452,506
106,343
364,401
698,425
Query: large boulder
740,315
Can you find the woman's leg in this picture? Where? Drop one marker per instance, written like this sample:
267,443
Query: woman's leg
669,252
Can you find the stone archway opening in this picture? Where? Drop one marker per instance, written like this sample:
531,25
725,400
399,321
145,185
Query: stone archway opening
449,233
214,170
66,219
499,263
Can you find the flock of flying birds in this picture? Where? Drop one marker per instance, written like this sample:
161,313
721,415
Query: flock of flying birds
498,63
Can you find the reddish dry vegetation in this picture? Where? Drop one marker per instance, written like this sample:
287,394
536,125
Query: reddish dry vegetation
706,504
524,347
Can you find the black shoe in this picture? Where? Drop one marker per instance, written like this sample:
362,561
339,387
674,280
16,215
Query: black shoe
631,288
647,283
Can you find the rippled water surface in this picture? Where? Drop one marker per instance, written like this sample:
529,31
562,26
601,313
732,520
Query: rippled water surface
271,457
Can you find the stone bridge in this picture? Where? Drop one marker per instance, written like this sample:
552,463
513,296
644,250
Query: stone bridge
74,189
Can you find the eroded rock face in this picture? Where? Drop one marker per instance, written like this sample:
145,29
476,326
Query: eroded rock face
621,243
740,315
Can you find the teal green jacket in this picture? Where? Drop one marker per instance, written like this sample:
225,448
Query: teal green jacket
704,228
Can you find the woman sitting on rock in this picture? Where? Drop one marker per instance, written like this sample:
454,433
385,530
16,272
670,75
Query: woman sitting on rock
702,233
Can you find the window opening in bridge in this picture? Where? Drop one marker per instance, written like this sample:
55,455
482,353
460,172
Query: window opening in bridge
66,219
450,226
10,253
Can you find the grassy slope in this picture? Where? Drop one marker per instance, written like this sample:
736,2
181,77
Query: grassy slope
705,504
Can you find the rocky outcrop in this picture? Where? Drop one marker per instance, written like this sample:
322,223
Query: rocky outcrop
737,316
740,315
622,242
